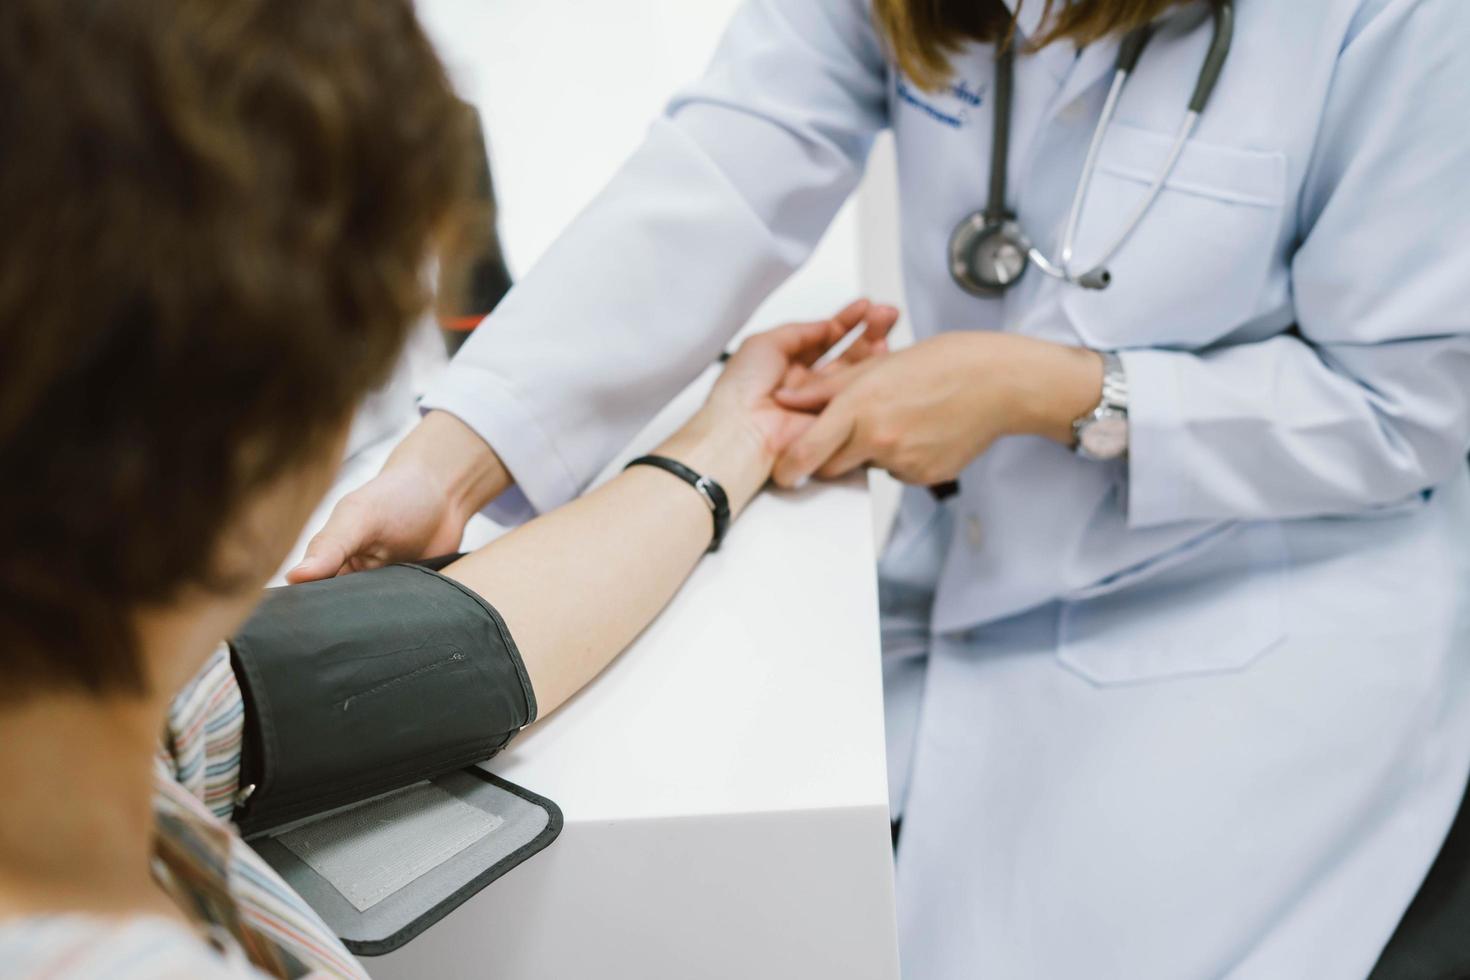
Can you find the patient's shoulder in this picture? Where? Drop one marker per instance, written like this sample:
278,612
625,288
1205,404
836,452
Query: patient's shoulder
85,947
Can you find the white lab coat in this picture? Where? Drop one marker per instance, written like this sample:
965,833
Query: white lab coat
1202,713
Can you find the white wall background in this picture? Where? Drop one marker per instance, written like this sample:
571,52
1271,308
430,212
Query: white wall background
567,89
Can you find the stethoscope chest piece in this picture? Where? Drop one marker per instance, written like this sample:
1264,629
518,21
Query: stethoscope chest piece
987,256
989,253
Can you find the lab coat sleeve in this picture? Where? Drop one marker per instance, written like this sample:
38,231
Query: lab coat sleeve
1367,403
728,194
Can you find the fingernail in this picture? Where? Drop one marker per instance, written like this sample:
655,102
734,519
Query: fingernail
801,483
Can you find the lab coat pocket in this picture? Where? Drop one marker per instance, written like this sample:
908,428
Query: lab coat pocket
1218,611
1195,268
1409,506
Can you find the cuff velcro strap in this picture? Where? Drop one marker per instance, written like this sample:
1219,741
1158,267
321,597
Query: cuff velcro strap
363,684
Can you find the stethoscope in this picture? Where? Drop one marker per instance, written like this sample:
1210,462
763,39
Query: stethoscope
989,252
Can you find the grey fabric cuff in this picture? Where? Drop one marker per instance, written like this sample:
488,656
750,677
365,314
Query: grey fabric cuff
360,685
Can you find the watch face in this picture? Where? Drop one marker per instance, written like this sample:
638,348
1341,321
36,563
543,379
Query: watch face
1105,438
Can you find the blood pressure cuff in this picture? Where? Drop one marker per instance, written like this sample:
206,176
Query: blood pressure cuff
362,684
369,700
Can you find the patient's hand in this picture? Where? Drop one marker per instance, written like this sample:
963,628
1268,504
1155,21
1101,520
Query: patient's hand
782,358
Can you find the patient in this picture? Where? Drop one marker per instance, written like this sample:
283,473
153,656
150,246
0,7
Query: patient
217,221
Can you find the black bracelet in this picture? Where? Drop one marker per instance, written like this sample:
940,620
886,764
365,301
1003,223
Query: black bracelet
711,492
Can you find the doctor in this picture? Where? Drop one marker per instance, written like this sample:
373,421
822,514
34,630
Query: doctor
1179,681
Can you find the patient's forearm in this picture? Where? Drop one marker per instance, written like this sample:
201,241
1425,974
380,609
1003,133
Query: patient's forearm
577,585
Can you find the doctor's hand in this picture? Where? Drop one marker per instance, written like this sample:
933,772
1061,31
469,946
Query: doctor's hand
443,473
782,358
416,507
924,413
739,432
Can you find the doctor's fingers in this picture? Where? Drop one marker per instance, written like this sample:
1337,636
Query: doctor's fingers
853,454
826,437
875,439
325,558
813,392
338,548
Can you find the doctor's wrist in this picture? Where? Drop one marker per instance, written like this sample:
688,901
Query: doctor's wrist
1054,385
467,471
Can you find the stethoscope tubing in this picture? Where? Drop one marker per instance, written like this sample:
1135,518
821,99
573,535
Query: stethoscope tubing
1079,196
1097,272
998,219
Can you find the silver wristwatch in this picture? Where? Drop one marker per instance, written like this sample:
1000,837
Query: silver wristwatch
1102,434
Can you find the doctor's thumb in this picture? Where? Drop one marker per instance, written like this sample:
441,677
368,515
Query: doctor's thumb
324,558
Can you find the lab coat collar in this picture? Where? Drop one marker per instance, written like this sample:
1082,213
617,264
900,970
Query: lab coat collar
1030,18
1030,23
1077,71
1092,63
1100,59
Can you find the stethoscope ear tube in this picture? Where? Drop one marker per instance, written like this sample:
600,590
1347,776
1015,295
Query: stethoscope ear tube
1132,48
1215,59
1000,142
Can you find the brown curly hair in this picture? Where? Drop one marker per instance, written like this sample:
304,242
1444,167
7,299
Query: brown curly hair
216,223
923,34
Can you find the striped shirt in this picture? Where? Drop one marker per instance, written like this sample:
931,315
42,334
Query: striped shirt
247,922
206,728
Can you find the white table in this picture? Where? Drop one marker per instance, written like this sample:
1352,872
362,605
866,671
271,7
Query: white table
723,781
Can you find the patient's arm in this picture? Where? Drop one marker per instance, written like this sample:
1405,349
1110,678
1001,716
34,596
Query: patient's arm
353,686
575,586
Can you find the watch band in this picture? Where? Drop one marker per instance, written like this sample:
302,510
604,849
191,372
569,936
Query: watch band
1112,407
711,492
1115,383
